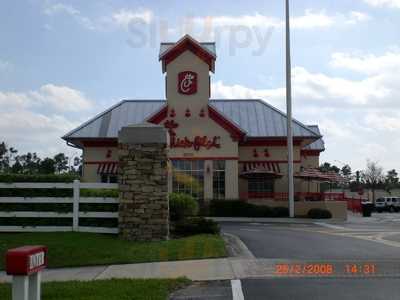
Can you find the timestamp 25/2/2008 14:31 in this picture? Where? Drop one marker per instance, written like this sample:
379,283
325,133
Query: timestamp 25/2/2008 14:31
325,269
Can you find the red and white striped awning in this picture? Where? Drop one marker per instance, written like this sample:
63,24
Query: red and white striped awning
261,168
107,168
315,174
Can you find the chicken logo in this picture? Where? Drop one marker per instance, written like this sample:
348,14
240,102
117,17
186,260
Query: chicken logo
187,82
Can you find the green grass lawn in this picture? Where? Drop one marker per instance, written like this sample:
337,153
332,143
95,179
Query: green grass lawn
83,249
113,289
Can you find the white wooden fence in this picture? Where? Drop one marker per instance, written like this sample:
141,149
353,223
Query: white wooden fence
75,200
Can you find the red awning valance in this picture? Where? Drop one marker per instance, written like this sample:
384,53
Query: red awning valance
315,174
270,169
107,168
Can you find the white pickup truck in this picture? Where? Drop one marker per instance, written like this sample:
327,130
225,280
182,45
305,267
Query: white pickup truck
387,204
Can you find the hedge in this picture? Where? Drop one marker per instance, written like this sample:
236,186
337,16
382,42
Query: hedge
319,213
196,225
57,193
239,208
10,178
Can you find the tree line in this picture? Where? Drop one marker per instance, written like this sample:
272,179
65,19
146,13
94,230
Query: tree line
372,177
12,162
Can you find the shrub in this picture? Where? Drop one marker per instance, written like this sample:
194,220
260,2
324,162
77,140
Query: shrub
37,177
196,225
238,208
230,208
281,212
99,193
181,206
319,213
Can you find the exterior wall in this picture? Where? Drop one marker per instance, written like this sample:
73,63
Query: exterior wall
208,180
187,61
231,179
195,125
228,150
91,157
310,161
277,153
90,173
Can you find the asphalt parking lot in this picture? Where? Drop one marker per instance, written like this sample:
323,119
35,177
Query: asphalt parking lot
374,241
316,242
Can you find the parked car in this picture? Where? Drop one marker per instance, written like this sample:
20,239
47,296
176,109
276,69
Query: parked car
387,204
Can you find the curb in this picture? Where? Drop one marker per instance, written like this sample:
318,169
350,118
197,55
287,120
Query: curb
236,248
274,220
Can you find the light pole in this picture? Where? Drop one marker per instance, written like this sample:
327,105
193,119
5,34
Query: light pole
289,114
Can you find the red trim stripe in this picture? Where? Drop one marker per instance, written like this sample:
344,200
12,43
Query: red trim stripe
206,158
99,162
159,116
271,161
310,152
254,142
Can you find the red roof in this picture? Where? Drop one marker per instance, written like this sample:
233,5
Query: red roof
188,43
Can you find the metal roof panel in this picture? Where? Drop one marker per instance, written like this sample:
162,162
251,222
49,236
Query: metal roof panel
256,117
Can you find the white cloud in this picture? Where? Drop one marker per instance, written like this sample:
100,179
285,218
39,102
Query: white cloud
117,19
49,96
35,120
384,3
124,17
359,119
357,17
60,8
367,63
62,98
310,20
255,20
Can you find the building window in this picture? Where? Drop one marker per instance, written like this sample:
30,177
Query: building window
109,178
188,177
260,187
219,179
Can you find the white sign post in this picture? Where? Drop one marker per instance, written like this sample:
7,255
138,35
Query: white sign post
25,265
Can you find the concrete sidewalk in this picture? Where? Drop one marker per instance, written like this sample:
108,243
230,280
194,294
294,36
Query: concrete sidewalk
206,269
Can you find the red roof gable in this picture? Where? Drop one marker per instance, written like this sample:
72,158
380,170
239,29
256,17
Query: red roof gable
237,134
188,43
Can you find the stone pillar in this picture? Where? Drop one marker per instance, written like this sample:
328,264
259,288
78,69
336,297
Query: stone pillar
143,183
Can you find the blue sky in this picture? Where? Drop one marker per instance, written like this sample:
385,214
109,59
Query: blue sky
62,62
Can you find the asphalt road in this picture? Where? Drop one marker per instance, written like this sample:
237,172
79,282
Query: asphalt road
321,289
310,242
359,242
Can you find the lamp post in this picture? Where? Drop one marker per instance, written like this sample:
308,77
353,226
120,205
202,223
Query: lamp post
289,114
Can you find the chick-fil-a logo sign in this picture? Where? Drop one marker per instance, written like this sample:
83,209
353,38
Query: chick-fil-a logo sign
187,82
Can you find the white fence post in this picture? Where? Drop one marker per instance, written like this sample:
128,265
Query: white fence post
75,218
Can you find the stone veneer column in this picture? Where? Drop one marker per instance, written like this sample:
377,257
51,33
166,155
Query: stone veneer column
143,183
